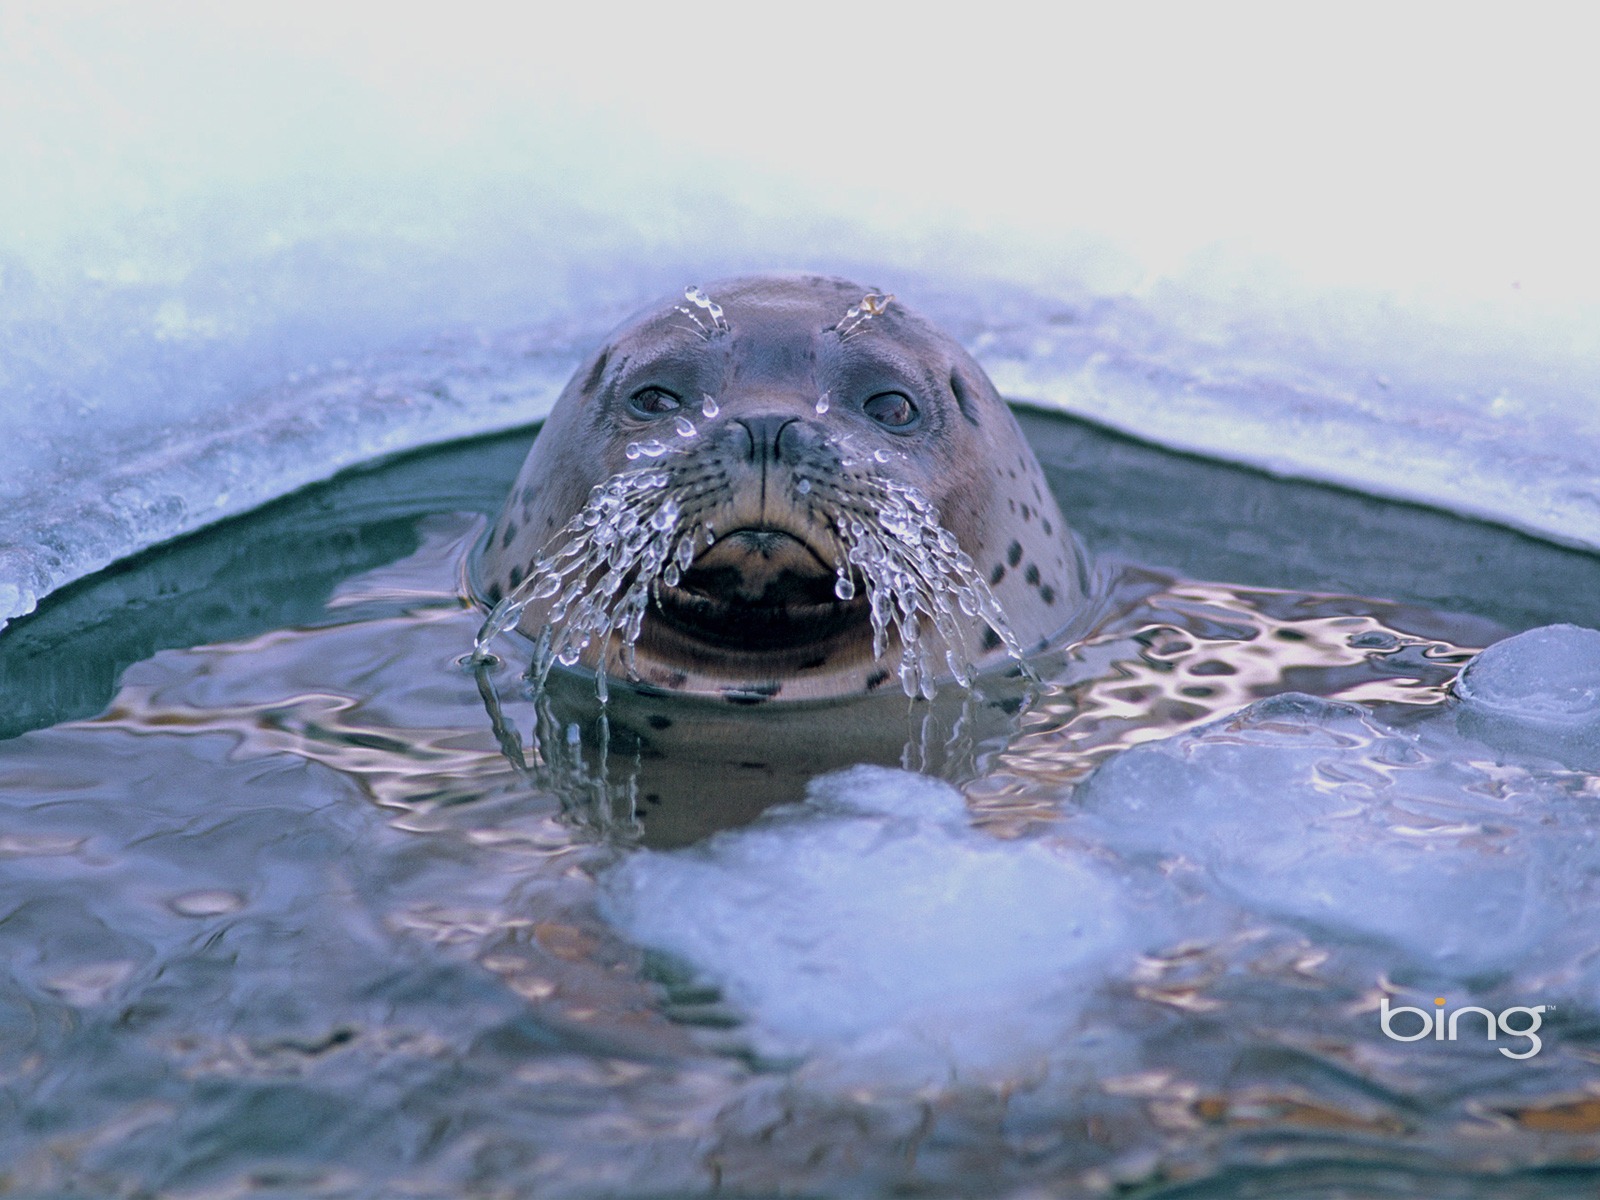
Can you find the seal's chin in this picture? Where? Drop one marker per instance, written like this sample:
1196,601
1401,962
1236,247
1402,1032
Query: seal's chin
760,589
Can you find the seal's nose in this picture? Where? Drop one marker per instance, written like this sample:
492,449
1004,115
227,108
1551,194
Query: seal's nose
766,434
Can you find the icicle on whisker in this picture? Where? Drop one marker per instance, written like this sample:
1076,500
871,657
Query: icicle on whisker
637,530
873,304
916,576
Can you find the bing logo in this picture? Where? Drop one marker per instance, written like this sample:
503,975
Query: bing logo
1445,1026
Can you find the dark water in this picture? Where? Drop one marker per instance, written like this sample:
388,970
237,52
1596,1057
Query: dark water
281,917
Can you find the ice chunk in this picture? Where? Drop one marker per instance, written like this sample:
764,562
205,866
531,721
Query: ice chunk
1546,676
874,791
1313,813
15,601
874,920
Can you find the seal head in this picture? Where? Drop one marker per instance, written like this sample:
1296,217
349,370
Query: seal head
781,488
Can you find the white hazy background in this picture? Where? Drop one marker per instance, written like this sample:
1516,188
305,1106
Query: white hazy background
244,246
1442,153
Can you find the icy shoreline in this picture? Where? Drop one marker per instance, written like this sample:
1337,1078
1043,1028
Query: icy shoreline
243,250
1503,441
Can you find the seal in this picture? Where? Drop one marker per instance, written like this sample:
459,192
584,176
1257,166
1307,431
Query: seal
780,488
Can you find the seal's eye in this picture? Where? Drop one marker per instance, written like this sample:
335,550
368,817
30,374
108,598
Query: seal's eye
653,401
892,409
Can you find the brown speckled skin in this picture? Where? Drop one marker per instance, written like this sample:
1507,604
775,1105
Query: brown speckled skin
781,352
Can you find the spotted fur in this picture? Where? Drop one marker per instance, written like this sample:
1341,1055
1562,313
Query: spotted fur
780,351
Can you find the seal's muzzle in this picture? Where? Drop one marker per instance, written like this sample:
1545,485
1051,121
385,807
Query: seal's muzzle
792,491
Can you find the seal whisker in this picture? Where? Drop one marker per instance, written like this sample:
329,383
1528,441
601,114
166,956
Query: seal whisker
913,567
640,530
815,568
696,297
626,529
873,304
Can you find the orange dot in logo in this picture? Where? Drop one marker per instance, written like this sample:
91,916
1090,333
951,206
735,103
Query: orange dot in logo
1439,1000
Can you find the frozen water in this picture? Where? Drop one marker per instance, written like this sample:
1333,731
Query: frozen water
633,524
1315,813
874,918
240,253
714,322
218,286
913,565
1546,676
641,526
1466,851
872,304
1537,695
875,925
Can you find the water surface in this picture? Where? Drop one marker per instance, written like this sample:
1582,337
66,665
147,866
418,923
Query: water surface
282,916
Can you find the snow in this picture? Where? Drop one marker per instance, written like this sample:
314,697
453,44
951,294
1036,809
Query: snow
243,249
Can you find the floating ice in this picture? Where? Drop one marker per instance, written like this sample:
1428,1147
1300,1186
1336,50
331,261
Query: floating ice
1315,813
1536,696
873,919
1549,675
873,930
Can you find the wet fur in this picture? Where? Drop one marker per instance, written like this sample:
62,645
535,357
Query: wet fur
780,350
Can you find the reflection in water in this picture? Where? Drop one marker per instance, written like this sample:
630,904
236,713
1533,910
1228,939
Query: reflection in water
1187,652
314,912
669,771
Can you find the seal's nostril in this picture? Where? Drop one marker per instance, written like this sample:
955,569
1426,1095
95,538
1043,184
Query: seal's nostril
766,434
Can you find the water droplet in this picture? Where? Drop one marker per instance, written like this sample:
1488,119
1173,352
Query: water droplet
822,403
206,904
917,579
631,538
704,302
632,450
709,406
685,427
